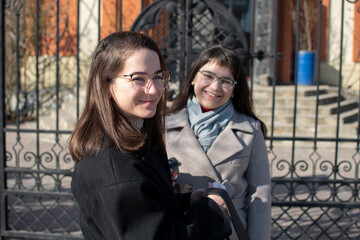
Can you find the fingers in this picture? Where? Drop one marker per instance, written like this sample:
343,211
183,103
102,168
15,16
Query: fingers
219,202
196,195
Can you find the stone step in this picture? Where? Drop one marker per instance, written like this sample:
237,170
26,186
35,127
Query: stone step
345,106
286,130
309,101
324,111
301,120
351,116
289,90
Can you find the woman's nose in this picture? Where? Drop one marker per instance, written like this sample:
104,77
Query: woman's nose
216,83
150,87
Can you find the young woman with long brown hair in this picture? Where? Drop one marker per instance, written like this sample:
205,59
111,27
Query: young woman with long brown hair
122,179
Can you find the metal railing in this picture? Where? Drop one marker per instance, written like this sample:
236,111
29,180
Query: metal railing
45,51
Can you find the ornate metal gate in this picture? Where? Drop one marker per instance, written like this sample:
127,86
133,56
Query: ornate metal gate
36,201
184,28
315,189
315,193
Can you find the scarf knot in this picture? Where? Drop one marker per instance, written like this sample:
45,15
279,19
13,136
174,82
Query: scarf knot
208,125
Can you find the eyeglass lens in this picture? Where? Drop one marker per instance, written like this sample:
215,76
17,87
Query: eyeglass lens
209,78
160,80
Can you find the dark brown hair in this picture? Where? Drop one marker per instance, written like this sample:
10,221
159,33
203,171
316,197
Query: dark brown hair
225,57
102,121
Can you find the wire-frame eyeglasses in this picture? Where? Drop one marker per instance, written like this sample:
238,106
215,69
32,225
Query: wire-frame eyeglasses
140,80
209,78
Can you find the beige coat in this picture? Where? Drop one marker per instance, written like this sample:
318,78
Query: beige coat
237,158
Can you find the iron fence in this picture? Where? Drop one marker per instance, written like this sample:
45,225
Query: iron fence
313,137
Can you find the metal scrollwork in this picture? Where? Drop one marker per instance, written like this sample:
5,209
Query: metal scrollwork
183,28
14,5
46,157
325,166
354,1
302,165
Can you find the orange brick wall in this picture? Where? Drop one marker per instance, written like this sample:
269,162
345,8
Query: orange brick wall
47,27
109,20
110,17
286,41
325,29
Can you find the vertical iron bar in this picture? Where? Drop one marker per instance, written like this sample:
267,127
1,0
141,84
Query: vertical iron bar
181,24
37,31
57,86
274,63
187,37
57,64
78,61
252,44
339,93
317,75
120,13
358,128
18,85
3,218
99,21
292,170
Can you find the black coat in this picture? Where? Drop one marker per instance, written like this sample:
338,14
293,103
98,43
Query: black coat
131,197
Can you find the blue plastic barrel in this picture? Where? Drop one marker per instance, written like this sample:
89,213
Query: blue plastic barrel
306,68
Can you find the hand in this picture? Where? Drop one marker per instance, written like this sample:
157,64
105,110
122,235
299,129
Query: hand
220,202
196,195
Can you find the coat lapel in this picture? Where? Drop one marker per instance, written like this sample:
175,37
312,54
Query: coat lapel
186,144
227,144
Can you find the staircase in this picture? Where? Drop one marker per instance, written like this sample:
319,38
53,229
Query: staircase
306,117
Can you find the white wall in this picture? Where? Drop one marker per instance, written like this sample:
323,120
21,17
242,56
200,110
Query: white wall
350,69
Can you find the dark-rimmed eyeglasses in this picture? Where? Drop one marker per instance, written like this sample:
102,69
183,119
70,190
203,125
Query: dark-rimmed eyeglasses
140,80
208,78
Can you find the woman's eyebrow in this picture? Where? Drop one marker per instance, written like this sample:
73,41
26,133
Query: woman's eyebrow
228,78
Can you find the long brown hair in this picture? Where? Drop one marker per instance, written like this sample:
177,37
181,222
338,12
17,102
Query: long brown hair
102,121
225,57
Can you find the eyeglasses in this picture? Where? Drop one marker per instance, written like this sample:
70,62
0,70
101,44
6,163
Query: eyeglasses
209,78
140,79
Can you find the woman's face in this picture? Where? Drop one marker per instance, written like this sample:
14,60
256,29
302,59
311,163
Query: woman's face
141,103
212,95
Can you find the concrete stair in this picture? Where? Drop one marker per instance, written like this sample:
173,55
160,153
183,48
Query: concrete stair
310,121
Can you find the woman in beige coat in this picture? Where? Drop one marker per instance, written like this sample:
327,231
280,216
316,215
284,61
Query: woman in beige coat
214,133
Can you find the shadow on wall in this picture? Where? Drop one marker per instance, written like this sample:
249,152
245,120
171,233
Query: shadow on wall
328,75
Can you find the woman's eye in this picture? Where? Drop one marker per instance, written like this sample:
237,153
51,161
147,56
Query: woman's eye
225,81
158,78
208,76
138,78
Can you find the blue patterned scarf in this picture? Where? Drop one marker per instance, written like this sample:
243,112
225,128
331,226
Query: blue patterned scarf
208,125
